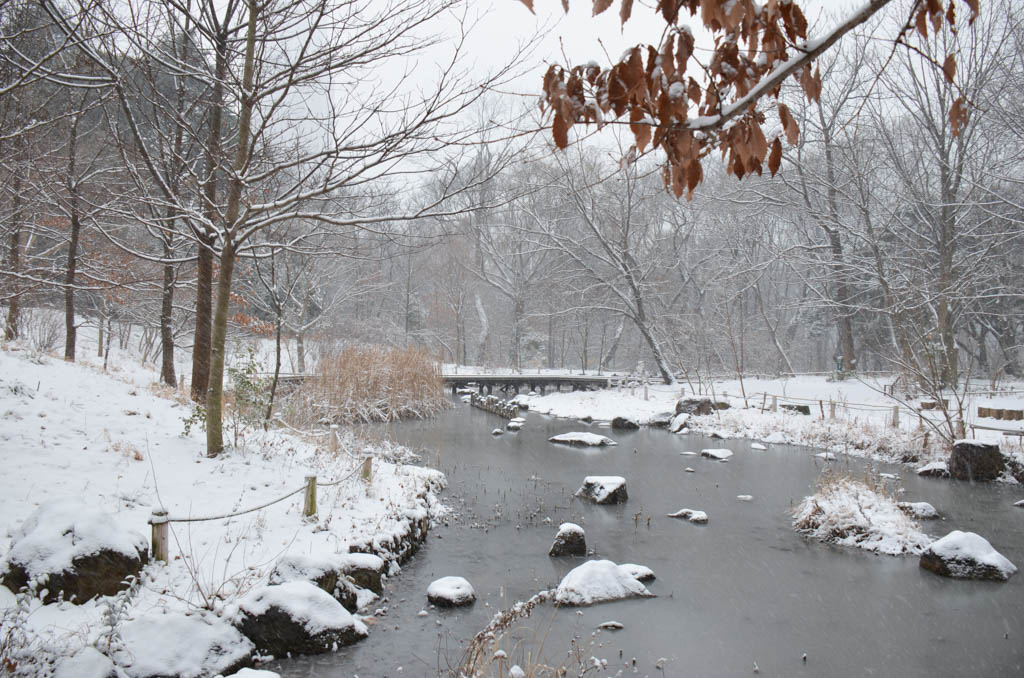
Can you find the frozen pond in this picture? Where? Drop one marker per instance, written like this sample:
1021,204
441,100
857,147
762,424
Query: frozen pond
742,589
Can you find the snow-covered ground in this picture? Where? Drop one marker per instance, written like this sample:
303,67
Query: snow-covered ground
116,441
862,424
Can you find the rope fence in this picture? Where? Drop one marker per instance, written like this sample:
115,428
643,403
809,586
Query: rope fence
160,521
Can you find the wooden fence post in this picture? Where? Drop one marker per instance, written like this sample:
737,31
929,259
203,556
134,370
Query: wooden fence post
367,472
158,519
895,416
645,390
309,498
332,441
831,409
775,403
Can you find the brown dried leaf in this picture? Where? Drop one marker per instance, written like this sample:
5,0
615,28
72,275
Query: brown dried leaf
949,68
958,115
626,10
922,22
973,4
775,158
560,131
601,5
529,5
641,130
789,125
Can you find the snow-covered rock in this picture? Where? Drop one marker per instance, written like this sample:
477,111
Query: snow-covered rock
695,406
699,517
516,672
966,555
296,617
254,673
185,646
514,425
745,497
497,432
758,446
775,438
641,573
689,453
82,550
604,489
720,454
1019,503
678,422
450,592
367,570
827,456
582,439
597,581
86,663
326,572
921,510
611,625
661,419
936,469
689,470
570,541
848,512
624,423
971,460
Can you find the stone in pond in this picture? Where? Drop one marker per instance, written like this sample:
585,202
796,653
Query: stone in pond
514,425
497,432
597,581
936,469
971,460
698,407
604,489
921,510
326,572
161,644
624,423
450,592
678,422
570,541
298,618
721,454
662,419
82,551
641,573
966,555
691,515
582,439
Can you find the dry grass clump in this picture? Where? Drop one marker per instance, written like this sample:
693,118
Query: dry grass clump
362,384
851,512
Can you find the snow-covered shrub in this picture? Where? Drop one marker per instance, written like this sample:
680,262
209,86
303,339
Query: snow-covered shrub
851,512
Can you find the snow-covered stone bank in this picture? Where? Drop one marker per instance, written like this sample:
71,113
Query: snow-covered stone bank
73,432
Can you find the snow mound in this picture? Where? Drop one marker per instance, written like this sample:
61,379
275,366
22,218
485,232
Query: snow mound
721,454
699,517
758,446
254,673
305,604
966,555
848,512
183,645
582,439
86,663
64,529
450,592
597,581
921,510
775,438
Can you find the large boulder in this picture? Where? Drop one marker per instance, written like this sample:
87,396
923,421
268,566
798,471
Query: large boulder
582,439
624,424
161,645
75,551
327,573
662,419
678,422
971,460
698,407
298,618
450,592
604,489
365,570
570,541
597,581
966,555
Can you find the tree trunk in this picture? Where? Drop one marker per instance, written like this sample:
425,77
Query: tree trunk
207,240
167,328
485,332
609,357
215,396
277,364
70,329
14,261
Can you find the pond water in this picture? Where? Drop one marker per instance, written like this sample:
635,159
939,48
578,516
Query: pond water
743,589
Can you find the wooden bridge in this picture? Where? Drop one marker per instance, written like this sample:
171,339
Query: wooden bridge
506,383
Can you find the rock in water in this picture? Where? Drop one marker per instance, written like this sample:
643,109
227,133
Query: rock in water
678,422
450,592
582,439
176,644
641,573
597,581
966,555
698,517
82,550
497,432
624,423
570,541
971,460
604,489
662,419
921,510
721,454
296,617
936,469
